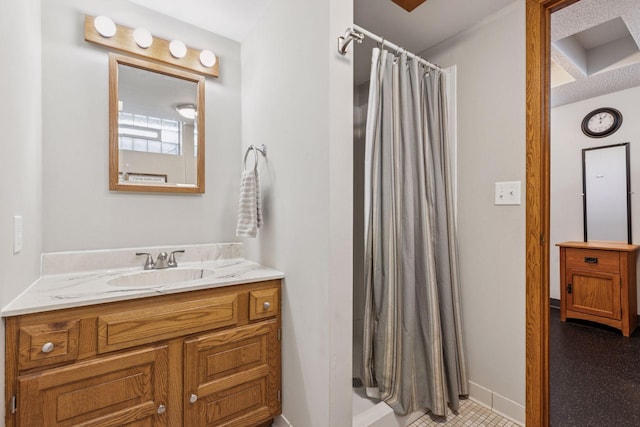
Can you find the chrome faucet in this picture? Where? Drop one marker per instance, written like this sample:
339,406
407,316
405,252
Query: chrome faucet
161,261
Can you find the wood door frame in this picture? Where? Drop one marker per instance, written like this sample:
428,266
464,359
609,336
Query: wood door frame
538,48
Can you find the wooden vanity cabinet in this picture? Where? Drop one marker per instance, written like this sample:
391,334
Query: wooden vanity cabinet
200,358
598,283
124,389
232,375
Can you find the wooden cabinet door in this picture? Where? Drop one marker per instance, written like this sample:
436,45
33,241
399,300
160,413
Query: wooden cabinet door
121,390
593,293
232,378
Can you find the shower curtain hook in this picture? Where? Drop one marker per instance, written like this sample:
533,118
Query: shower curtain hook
398,52
381,44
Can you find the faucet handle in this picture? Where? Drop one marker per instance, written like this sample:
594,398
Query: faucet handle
148,263
172,258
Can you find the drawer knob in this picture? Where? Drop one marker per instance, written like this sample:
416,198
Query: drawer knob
47,347
162,409
266,305
193,398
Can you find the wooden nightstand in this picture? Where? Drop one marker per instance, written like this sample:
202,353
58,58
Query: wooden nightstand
598,283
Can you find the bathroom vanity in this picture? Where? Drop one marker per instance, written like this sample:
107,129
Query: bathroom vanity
202,353
598,283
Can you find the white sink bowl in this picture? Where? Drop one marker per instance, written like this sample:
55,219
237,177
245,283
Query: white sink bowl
150,278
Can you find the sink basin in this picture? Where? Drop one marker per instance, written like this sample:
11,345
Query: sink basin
149,278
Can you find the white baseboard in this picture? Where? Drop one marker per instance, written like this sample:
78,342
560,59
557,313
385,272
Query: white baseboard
507,408
281,421
480,394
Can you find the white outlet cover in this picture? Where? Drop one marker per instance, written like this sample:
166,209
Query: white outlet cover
507,193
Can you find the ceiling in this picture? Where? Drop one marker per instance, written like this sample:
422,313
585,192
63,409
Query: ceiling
594,49
427,25
229,18
434,21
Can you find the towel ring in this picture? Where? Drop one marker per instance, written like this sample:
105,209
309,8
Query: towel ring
262,149
255,165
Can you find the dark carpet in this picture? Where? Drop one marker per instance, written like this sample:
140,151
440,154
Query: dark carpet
594,375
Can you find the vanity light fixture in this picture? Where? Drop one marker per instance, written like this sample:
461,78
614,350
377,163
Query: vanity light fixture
208,58
101,30
104,26
177,48
143,37
188,111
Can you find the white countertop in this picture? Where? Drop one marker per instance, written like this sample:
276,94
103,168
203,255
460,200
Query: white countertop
81,288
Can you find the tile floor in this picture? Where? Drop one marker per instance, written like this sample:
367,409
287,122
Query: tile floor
471,414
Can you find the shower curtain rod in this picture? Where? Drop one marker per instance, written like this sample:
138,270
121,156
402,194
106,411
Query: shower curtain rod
358,33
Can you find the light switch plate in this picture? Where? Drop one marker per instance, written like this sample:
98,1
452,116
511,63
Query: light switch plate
507,193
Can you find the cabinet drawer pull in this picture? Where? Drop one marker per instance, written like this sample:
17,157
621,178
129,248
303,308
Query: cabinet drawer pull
162,409
266,305
591,260
47,347
193,398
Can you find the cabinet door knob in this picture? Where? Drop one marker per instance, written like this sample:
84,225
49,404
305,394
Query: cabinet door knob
193,398
162,409
266,305
47,347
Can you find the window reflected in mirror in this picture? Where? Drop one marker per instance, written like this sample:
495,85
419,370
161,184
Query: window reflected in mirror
156,127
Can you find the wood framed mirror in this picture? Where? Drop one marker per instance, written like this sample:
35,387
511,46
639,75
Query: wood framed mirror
156,127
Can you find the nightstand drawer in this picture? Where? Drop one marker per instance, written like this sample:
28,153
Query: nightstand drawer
48,343
593,260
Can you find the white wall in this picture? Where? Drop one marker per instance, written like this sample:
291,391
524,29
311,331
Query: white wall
297,99
567,142
490,59
20,150
79,212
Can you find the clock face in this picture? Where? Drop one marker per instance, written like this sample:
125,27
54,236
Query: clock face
601,122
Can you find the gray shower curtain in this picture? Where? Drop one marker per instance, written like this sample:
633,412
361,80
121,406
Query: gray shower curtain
412,341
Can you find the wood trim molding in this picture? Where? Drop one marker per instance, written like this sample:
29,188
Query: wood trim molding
538,46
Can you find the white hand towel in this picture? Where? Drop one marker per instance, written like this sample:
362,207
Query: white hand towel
249,209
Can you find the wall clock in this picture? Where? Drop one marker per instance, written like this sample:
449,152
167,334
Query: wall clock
601,122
